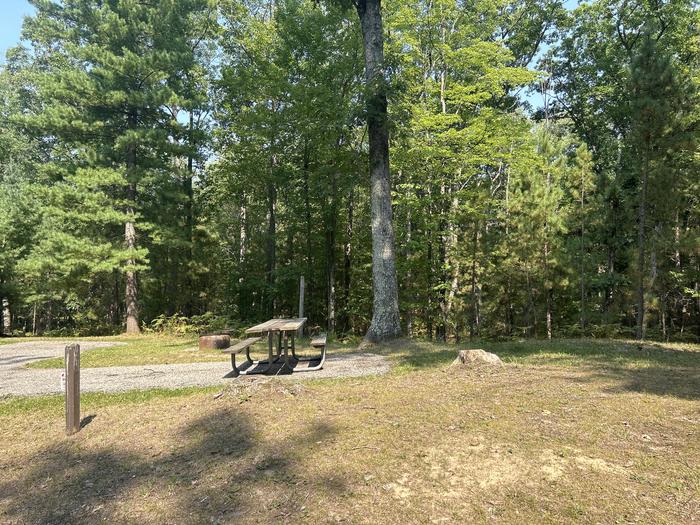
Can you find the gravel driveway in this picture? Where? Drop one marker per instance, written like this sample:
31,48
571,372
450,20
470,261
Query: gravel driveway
15,379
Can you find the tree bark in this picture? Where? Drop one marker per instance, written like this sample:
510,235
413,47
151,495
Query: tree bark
385,316
271,251
331,264
309,236
347,264
189,219
582,254
642,247
244,305
6,314
131,294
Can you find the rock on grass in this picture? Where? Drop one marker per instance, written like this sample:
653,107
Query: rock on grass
476,358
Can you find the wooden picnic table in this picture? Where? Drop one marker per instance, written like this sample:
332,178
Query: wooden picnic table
283,328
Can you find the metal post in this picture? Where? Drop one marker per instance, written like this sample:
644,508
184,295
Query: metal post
72,381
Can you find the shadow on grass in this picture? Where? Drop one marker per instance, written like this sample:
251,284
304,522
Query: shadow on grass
208,473
656,368
87,420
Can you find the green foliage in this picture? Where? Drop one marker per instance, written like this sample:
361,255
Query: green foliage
180,325
231,135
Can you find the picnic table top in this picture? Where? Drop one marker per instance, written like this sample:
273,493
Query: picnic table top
274,325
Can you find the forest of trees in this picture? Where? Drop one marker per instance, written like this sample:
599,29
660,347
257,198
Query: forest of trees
194,158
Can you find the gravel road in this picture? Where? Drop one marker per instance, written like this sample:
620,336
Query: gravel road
15,379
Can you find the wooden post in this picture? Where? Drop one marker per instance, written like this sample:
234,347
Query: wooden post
301,300
72,381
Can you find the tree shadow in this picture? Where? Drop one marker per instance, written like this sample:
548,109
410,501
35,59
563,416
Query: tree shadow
656,368
87,420
65,483
683,383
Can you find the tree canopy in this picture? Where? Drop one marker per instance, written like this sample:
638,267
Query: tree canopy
194,158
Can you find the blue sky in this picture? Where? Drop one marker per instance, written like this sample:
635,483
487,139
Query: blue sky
13,11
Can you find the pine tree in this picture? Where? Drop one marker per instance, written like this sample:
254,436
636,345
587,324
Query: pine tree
106,86
656,102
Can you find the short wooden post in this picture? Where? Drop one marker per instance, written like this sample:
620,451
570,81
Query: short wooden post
72,381
301,300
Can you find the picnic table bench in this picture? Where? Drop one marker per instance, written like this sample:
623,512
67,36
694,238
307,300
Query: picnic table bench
286,330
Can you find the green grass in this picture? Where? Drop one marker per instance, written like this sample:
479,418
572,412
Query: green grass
408,355
141,350
53,405
412,355
569,432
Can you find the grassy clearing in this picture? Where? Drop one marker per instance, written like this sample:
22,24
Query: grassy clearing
408,354
142,350
556,436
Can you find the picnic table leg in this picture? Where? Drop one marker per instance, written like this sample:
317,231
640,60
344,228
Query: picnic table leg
235,372
269,347
253,364
294,353
286,352
279,345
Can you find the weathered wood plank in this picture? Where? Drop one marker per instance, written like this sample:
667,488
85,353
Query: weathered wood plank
72,375
319,340
274,325
241,345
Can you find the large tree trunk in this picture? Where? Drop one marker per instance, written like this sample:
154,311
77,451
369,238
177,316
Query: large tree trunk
385,316
131,295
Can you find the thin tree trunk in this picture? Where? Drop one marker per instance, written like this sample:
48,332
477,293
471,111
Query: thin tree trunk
330,254
244,306
474,318
532,329
583,257
271,251
409,273
642,247
548,280
429,309
189,220
309,243
510,314
386,323
548,290
453,262
6,324
49,316
347,263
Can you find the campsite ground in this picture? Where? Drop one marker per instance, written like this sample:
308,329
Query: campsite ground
568,431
